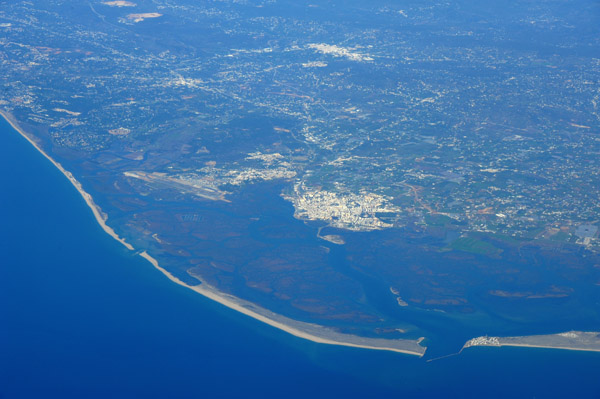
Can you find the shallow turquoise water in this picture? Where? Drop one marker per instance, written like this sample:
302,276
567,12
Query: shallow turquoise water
80,316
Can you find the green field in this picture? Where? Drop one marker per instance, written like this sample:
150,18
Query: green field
475,246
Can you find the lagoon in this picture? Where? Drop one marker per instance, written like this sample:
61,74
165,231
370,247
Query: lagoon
80,316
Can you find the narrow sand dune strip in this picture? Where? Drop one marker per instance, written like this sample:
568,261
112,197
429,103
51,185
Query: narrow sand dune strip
311,332
98,214
572,340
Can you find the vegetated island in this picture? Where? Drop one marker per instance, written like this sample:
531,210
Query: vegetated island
571,340
309,331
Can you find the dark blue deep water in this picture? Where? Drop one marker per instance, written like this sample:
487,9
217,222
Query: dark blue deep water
82,317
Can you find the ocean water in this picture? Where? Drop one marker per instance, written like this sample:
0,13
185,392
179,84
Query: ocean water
80,316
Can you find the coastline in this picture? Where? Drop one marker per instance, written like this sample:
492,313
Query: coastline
549,347
100,217
308,331
293,327
584,341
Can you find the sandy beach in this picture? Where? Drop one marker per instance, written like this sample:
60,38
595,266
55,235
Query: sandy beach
549,347
98,214
311,332
587,341
308,331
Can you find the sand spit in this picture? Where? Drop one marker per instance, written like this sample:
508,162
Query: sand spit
98,214
311,332
571,340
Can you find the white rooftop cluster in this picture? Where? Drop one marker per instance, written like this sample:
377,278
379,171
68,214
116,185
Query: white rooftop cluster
483,341
266,158
314,64
570,334
238,177
342,210
338,51
119,3
187,82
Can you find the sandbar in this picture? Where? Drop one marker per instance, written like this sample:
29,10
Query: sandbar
588,341
309,331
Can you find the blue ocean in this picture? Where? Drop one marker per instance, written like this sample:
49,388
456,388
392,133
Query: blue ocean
82,317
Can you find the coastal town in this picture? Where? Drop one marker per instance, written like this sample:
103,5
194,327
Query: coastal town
482,341
570,340
350,211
